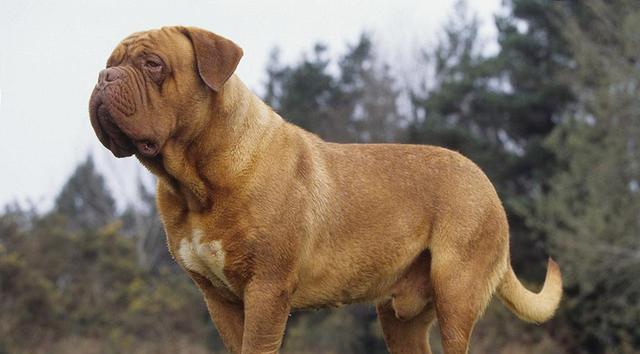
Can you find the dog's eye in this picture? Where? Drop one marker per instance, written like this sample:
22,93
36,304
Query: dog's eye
154,68
152,65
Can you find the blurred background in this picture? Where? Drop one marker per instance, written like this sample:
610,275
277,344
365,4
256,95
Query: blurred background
542,94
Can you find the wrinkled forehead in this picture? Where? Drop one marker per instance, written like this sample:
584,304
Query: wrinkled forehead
168,43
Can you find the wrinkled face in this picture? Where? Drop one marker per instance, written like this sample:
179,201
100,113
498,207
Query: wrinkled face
156,83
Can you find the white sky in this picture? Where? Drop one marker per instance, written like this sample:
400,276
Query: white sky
51,52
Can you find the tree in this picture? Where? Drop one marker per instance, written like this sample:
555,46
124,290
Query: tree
455,107
368,96
304,93
358,104
67,286
85,200
28,300
142,223
591,208
498,109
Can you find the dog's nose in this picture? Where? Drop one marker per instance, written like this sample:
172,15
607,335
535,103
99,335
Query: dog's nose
107,76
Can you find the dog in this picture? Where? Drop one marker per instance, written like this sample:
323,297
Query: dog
267,218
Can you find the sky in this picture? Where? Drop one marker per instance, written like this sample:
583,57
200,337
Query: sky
51,53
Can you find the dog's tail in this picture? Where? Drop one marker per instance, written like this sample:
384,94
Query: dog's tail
528,305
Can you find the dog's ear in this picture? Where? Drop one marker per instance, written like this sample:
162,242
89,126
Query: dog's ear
216,56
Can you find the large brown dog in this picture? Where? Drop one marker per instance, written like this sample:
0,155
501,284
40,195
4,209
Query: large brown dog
266,217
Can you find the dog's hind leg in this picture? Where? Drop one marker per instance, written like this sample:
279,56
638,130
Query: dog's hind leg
408,315
406,336
465,271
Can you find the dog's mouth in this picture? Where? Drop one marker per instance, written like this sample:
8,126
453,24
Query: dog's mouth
114,138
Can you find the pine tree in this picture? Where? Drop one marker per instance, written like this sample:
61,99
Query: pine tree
591,209
356,104
497,109
85,200
304,93
367,95
142,223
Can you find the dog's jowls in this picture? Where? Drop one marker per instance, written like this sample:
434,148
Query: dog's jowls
267,218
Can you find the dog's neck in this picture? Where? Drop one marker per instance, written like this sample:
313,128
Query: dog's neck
220,158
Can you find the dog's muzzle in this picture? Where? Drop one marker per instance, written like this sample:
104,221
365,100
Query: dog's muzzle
111,110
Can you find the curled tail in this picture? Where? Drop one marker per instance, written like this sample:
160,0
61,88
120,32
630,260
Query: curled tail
528,305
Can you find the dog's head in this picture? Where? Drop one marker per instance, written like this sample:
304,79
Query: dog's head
159,84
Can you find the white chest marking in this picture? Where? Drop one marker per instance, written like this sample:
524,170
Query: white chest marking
206,258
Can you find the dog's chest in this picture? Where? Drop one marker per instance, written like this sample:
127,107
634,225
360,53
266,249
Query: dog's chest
205,257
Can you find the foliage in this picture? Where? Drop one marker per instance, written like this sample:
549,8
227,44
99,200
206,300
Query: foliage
593,203
359,103
498,108
62,285
84,199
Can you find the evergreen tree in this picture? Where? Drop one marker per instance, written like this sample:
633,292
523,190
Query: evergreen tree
498,109
368,97
72,286
357,104
85,200
454,107
142,223
591,209
304,93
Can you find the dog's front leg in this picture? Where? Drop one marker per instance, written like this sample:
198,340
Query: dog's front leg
227,316
266,308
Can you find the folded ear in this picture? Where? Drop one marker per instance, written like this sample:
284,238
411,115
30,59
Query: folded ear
216,56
